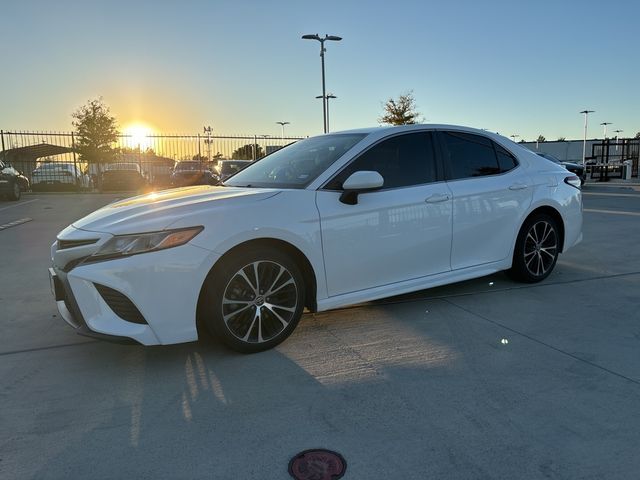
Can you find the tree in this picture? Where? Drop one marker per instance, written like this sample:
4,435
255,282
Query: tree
541,139
637,135
561,139
401,111
246,152
96,130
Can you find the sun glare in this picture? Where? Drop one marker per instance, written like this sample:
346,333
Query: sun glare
138,136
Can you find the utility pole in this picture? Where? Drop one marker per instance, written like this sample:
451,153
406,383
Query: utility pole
584,141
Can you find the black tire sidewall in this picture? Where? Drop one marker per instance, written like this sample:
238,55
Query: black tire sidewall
15,192
519,270
217,281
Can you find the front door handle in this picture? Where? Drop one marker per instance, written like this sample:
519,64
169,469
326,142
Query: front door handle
438,197
518,186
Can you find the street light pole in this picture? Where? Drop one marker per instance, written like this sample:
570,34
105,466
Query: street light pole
327,98
584,141
604,124
322,50
282,124
617,132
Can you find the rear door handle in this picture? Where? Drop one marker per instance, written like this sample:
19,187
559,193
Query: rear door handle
438,197
518,186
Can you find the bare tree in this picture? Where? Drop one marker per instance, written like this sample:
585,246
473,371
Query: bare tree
401,111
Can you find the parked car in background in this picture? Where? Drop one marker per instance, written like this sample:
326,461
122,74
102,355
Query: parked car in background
122,176
226,168
23,181
55,176
10,182
326,222
192,172
572,167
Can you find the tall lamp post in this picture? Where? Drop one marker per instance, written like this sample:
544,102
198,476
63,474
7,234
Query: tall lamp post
327,98
617,132
584,141
604,124
282,124
322,50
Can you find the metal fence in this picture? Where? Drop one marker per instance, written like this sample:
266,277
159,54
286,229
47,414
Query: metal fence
610,157
52,161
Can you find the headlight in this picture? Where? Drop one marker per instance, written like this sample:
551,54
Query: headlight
127,245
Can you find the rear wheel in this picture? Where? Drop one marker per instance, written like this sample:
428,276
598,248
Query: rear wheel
537,248
15,192
254,300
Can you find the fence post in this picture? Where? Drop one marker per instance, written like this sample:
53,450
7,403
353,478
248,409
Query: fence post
199,152
2,137
75,163
255,147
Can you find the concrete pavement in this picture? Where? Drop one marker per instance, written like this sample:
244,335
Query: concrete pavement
482,379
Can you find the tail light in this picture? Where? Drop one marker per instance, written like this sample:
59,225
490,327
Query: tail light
573,180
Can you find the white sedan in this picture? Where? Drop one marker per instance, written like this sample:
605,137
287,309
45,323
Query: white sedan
326,222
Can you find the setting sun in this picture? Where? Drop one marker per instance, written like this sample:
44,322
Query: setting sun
137,135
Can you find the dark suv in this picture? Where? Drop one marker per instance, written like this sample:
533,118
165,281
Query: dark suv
189,172
9,181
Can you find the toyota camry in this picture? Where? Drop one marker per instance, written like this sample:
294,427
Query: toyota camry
325,222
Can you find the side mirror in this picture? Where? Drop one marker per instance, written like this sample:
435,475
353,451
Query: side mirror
360,182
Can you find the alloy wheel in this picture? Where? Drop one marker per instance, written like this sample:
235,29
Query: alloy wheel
540,248
259,301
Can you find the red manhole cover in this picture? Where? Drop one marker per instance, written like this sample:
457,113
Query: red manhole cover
317,464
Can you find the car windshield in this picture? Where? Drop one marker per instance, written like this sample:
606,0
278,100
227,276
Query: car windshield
122,166
55,166
188,166
296,165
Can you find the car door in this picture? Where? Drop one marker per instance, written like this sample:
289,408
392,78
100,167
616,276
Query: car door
491,194
399,232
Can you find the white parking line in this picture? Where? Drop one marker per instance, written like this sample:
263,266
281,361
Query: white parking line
613,212
19,204
612,194
15,223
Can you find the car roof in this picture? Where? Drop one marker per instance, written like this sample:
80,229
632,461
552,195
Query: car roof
416,126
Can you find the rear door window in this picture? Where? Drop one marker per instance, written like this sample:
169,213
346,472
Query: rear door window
469,155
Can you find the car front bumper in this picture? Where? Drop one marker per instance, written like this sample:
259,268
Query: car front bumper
163,287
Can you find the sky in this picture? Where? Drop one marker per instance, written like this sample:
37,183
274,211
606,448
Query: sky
516,67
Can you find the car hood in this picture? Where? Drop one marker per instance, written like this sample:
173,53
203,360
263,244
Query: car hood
158,210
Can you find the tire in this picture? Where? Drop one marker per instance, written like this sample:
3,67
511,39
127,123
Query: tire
15,192
238,308
537,249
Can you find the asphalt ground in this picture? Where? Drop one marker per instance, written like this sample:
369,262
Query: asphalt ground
482,379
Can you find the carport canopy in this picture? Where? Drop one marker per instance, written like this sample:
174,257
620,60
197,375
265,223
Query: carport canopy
33,152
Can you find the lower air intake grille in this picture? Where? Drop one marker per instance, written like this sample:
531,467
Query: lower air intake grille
121,305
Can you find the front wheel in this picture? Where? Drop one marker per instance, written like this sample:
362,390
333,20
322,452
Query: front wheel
536,251
15,192
254,300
